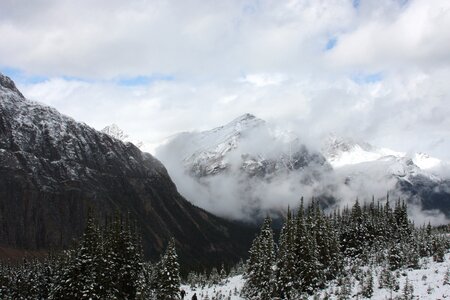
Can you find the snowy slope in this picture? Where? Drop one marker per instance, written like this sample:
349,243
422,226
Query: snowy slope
427,282
361,157
345,151
230,287
116,132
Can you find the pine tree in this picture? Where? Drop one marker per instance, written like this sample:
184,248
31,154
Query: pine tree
286,261
214,277
259,269
367,285
408,290
81,278
123,260
168,274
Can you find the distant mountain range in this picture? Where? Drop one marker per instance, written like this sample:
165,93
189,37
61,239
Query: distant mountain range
52,169
254,159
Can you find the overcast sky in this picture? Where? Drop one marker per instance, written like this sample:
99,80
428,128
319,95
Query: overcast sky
374,70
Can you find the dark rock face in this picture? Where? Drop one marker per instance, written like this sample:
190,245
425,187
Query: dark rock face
432,195
53,168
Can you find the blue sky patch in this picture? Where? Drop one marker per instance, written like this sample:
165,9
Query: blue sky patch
364,78
144,80
331,43
18,75
22,77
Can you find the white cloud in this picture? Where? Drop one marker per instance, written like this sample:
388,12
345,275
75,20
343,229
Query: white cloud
264,79
106,39
415,35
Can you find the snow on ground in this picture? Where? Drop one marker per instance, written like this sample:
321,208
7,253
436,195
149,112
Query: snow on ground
427,282
230,287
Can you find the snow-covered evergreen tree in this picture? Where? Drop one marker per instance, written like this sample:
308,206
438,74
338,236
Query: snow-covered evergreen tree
285,275
82,277
168,274
259,269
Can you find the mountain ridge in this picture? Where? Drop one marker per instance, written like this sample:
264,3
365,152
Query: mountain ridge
254,159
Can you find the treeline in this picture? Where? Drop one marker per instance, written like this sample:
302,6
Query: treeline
107,264
315,248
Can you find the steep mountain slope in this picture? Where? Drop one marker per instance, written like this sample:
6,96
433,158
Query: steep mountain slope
53,168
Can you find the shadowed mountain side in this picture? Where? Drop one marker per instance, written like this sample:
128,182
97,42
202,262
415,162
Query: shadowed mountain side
53,168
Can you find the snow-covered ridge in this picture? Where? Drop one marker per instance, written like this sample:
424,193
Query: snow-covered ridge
263,168
8,86
223,139
425,162
38,128
348,153
116,132
247,144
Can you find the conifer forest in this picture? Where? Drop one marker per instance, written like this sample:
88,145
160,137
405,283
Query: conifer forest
313,249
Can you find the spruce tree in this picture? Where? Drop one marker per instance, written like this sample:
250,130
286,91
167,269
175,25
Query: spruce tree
286,260
82,277
168,274
259,268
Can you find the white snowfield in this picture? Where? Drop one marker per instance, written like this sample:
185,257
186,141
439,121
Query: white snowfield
432,281
345,153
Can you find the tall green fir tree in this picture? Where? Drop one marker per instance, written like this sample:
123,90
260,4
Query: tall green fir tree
82,277
285,275
167,285
259,270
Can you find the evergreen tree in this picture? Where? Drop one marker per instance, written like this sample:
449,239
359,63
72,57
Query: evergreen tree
259,269
168,274
82,277
285,271
367,285
408,290
125,258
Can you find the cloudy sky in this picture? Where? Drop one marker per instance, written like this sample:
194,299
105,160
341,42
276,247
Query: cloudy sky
375,70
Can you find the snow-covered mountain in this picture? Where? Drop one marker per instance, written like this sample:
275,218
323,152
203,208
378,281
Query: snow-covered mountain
362,156
116,132
262,169
245,145
233,169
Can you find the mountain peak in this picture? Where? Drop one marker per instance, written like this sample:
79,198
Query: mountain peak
247,116
8,84
115,131
244,117
244,121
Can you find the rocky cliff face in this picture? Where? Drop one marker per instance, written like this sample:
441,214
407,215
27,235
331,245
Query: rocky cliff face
53,168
